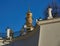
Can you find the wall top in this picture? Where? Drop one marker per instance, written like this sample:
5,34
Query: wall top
54,20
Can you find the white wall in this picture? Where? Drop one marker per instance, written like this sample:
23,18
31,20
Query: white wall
50,34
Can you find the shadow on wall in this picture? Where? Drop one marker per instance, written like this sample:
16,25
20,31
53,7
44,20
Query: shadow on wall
30,41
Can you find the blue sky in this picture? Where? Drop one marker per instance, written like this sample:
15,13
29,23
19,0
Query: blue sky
13,12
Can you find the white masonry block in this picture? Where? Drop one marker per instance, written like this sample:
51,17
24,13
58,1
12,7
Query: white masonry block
49,32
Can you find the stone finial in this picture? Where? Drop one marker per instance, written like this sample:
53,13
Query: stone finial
50,13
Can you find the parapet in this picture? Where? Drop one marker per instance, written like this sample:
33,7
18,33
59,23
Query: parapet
48,21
